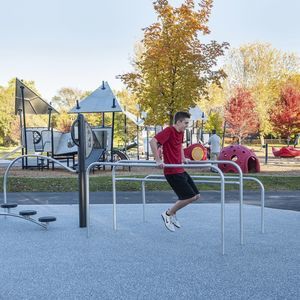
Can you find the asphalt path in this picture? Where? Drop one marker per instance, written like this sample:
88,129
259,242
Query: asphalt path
288,200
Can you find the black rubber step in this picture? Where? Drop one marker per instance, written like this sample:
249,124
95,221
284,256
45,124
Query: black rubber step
27,212
9,205
47,219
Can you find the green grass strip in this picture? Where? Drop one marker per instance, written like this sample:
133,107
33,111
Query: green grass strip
103,183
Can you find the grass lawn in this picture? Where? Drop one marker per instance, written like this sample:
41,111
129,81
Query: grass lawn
103,183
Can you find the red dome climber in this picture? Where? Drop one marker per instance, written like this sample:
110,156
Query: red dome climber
241,155
195,152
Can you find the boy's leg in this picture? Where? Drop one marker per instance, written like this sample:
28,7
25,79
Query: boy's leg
190,189
182,203
186,190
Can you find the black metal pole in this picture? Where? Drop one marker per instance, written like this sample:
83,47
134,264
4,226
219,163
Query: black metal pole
49,126
81,170
138,142
21,135
112,135
266,154
202,125
49,117
103,119
147,140
24,124
125,132
223,138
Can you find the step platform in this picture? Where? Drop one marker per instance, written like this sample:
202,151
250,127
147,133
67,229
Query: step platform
27,213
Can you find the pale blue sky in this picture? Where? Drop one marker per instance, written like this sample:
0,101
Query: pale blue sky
76,43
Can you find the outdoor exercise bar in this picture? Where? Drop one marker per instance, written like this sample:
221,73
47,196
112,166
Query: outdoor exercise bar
153,165
213,162
152,177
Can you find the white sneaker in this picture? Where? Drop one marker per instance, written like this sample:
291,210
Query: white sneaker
175,221
168,221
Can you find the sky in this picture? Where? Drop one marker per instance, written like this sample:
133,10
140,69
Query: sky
77,44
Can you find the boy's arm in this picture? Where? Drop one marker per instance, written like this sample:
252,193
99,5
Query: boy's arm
184,160
154,148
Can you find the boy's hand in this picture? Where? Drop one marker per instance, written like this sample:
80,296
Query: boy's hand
160,164
186,160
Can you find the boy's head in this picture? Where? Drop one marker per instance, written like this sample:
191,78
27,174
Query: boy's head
181,120
214,131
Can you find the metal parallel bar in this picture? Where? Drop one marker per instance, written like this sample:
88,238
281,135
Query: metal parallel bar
113,174
222,207
216,162
262,201
163,180
144,201
241,190
87,205
27,155
262,189
114,165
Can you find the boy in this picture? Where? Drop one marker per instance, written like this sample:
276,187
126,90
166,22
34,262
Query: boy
171,138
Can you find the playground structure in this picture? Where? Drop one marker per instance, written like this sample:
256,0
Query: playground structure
59,145
288,151
241,155
196,152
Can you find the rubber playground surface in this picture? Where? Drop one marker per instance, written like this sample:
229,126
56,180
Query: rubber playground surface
145,261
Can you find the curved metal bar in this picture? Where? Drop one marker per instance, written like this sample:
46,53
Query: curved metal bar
262,201
27,155
222,206
21,217
113,174
144,200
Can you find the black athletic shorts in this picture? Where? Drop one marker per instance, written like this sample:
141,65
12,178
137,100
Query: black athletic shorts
183,185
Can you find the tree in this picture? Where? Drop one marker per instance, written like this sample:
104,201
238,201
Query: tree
262,70
240,116
214,121
174,68
285,115
66,98
129,102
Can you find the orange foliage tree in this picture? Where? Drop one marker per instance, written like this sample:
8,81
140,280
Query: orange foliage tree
240,115
285,115
174,68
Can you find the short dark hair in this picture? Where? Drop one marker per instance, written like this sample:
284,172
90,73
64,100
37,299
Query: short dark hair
181,115
214,131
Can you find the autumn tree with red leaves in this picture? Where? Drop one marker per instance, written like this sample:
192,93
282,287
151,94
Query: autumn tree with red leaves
285,115
240,115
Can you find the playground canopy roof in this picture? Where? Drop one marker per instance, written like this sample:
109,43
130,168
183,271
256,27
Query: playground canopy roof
133,118
197,114
34,104
101,100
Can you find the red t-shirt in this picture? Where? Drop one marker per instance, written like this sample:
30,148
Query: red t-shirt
172,141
